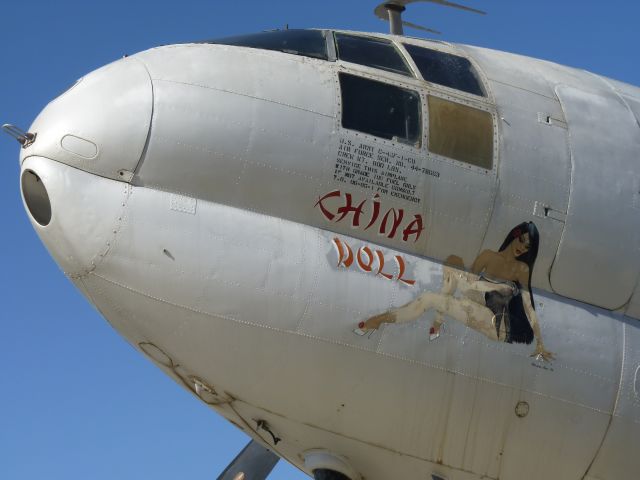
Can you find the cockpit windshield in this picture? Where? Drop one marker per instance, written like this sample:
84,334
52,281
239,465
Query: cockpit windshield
445,69
309,43
373,52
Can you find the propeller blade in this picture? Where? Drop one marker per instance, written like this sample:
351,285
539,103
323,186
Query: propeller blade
419,27
452,5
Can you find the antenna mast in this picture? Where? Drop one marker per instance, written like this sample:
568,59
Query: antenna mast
395,17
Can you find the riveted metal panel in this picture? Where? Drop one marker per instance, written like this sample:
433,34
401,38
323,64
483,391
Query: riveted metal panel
598,261
109,144
615,461
633,308
510,69
634,105
626,90
240,126
572,399
534,170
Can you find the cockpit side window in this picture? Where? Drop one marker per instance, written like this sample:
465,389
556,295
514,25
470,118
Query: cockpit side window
309,43
460,132
445,69
380,109
371,52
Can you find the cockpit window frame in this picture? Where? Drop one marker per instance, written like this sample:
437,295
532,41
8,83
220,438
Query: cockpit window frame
329,47
478,117
447,49
402,55
420,141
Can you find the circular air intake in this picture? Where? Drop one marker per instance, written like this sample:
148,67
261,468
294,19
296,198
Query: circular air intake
36,197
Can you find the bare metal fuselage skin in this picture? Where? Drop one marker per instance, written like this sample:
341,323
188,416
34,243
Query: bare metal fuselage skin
197,196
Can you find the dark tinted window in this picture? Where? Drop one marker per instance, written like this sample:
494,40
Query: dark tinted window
372,52
310,43
380,109
446,69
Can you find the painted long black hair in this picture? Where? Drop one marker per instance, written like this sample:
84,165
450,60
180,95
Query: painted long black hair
520,327
529,257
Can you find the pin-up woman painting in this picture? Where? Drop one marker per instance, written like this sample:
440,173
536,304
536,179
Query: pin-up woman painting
494,299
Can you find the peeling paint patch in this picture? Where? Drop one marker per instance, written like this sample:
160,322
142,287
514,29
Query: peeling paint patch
180,203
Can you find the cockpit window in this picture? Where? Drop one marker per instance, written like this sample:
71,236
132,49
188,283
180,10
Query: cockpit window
445,69
380,109
371,52
460,132
309,43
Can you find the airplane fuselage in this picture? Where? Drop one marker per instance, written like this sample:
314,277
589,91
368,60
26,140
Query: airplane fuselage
236,213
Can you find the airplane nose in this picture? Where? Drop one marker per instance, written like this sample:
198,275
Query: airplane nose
100,125
76,214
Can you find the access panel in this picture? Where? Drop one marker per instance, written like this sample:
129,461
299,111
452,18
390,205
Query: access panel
597,260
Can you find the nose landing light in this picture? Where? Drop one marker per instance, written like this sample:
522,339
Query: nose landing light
36,197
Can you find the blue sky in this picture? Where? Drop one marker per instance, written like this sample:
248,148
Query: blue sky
76,401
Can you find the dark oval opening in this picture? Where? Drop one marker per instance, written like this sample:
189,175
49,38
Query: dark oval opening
326,474
36,197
